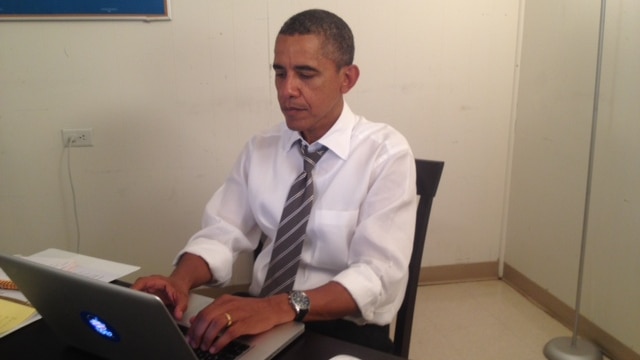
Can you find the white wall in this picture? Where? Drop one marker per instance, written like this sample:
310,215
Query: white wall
550,160
171,104
614,226
551,139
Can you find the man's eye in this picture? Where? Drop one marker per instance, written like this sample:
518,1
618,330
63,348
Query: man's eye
280,74
306,75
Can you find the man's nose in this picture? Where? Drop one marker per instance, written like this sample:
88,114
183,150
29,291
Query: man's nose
290,86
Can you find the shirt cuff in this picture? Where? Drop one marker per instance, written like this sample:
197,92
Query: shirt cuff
365,287
217,256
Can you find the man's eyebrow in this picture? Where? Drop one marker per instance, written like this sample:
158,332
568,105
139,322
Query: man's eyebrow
304,68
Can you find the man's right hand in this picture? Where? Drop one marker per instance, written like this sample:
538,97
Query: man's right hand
173,294
191,271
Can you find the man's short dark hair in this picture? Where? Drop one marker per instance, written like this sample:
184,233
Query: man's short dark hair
337,36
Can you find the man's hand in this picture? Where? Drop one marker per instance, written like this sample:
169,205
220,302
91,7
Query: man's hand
229,317
173,294
190,272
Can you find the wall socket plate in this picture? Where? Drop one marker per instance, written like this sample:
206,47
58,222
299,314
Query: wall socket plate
77,137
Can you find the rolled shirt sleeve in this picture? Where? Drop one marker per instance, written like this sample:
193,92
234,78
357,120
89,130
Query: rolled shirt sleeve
381,246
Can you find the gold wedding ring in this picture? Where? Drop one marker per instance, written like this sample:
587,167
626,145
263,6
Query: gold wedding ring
229,321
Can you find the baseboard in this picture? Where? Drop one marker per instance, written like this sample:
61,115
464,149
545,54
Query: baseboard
442,274
565,314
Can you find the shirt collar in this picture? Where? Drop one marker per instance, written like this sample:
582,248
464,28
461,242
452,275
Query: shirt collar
337,139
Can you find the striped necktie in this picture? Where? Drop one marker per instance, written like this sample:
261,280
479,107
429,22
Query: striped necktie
292,229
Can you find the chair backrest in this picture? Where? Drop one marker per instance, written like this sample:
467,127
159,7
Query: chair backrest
428,175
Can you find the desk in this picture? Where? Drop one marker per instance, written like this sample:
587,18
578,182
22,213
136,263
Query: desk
37,341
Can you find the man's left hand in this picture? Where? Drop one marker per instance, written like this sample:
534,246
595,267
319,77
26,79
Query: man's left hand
229,317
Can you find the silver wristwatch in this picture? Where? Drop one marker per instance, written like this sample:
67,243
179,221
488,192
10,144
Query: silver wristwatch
300,303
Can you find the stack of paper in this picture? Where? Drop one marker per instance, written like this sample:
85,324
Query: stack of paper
14,315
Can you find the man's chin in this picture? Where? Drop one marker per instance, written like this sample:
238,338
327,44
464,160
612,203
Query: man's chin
295,123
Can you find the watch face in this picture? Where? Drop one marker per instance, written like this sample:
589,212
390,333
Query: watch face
300,299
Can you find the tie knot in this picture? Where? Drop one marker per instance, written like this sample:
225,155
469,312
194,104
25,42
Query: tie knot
311,158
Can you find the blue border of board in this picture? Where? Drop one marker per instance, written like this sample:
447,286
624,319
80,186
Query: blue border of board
84,8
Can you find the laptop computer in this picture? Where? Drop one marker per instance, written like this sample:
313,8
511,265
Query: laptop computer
116,322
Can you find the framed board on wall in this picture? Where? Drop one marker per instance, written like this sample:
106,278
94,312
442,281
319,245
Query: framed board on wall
85,10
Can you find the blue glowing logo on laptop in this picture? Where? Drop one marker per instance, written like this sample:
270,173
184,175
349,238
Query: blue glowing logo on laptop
100,326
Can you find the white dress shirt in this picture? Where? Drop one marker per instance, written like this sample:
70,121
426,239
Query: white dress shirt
360,232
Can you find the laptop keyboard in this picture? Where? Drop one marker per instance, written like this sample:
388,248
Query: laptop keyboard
230,352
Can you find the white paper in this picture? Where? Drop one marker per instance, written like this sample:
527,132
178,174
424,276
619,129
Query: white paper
95,268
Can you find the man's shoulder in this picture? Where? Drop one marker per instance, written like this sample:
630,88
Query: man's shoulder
379,132
271,135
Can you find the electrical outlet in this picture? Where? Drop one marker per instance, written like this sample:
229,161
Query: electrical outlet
77,137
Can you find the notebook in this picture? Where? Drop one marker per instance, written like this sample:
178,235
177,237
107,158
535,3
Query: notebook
116,322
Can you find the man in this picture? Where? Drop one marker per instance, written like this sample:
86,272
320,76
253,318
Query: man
352,269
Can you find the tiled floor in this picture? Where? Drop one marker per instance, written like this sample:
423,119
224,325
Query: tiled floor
479,320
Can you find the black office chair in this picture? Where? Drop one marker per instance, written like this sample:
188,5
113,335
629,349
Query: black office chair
428,175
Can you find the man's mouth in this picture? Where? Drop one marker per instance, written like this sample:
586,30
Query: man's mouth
292,109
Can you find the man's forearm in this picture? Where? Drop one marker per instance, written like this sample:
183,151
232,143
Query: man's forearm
330,302
191,271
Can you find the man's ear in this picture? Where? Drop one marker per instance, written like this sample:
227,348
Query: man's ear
351,73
